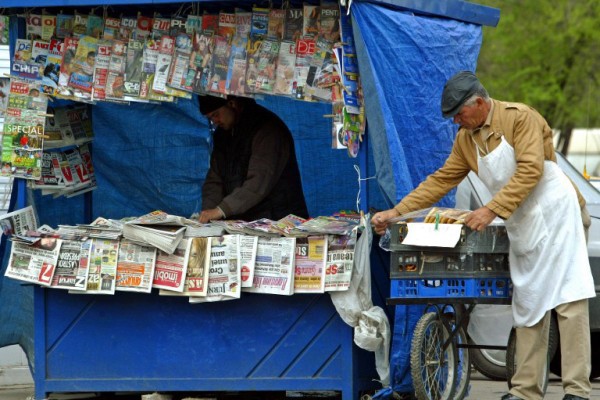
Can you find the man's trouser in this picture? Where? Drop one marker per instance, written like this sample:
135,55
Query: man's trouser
532,348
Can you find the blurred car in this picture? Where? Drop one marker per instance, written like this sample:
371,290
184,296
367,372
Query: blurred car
491,324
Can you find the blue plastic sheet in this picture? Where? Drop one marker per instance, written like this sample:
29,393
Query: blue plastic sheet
404,61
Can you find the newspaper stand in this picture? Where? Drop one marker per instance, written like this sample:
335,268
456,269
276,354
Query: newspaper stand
451,281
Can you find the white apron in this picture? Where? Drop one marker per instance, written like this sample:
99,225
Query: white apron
548,256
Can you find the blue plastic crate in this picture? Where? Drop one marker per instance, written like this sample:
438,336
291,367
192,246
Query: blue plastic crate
488,287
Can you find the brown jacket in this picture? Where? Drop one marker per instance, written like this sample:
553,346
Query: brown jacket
523,128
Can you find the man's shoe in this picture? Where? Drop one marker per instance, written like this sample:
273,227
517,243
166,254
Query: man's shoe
573,397
509,396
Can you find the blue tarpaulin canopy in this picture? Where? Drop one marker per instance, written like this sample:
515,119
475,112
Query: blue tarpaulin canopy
149,157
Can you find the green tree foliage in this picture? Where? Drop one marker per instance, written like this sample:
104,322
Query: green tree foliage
546,53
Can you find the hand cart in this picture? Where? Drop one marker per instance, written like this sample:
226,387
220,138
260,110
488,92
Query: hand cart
451,281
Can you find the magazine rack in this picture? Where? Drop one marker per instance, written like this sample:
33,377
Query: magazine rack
132,342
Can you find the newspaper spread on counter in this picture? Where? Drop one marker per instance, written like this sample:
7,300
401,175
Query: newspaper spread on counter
19,222
309,268
170,269
135,267
274,266
340,261
248,246
224,272
71,273
34,263
195,283
103,267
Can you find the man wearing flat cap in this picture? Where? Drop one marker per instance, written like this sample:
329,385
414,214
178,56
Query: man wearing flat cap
509,146
253,169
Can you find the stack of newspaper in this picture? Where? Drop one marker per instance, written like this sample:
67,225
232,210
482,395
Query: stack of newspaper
158,229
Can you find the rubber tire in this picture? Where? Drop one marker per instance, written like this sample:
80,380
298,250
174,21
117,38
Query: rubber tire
555,366
487,368
428,336
511,349
461,387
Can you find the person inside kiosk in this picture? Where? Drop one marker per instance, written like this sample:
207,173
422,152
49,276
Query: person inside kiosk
253,169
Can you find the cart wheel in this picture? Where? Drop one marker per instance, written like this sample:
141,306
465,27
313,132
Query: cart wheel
511,360
464,366
433,370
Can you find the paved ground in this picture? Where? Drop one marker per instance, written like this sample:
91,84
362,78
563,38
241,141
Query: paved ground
481,389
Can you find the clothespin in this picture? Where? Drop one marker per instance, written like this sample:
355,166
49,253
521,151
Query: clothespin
437,220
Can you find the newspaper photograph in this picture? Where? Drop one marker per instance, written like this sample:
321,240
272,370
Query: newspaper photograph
35,263
274,266
103,267
195,283
170,269
19,222
135,267
340,262
309,275
71,273
248,246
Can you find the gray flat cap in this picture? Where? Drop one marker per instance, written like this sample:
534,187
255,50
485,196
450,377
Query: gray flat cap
457,90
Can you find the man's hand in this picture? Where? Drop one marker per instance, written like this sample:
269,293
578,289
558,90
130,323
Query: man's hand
479,219
209,215
380,219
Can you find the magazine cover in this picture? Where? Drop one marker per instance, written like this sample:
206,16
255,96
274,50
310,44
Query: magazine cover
177,26
133,69
94,26
163,64
294,24
39,51
180,73
305,49
284,74
23,50
149,60
64,25
81,79
252,61
260,22
52,67
243,22
201,61
127,28
115,81
4,29
220,65
112,28
160,27
68,57
210,24
275,28
310,24
267,62
193,23
101,70
309,275
143,28
48,27
236,73
33,26
329,22
80,24
227,25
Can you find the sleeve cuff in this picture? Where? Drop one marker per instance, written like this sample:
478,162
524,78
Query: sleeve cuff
222,212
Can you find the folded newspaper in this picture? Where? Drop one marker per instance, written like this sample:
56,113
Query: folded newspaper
158,229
